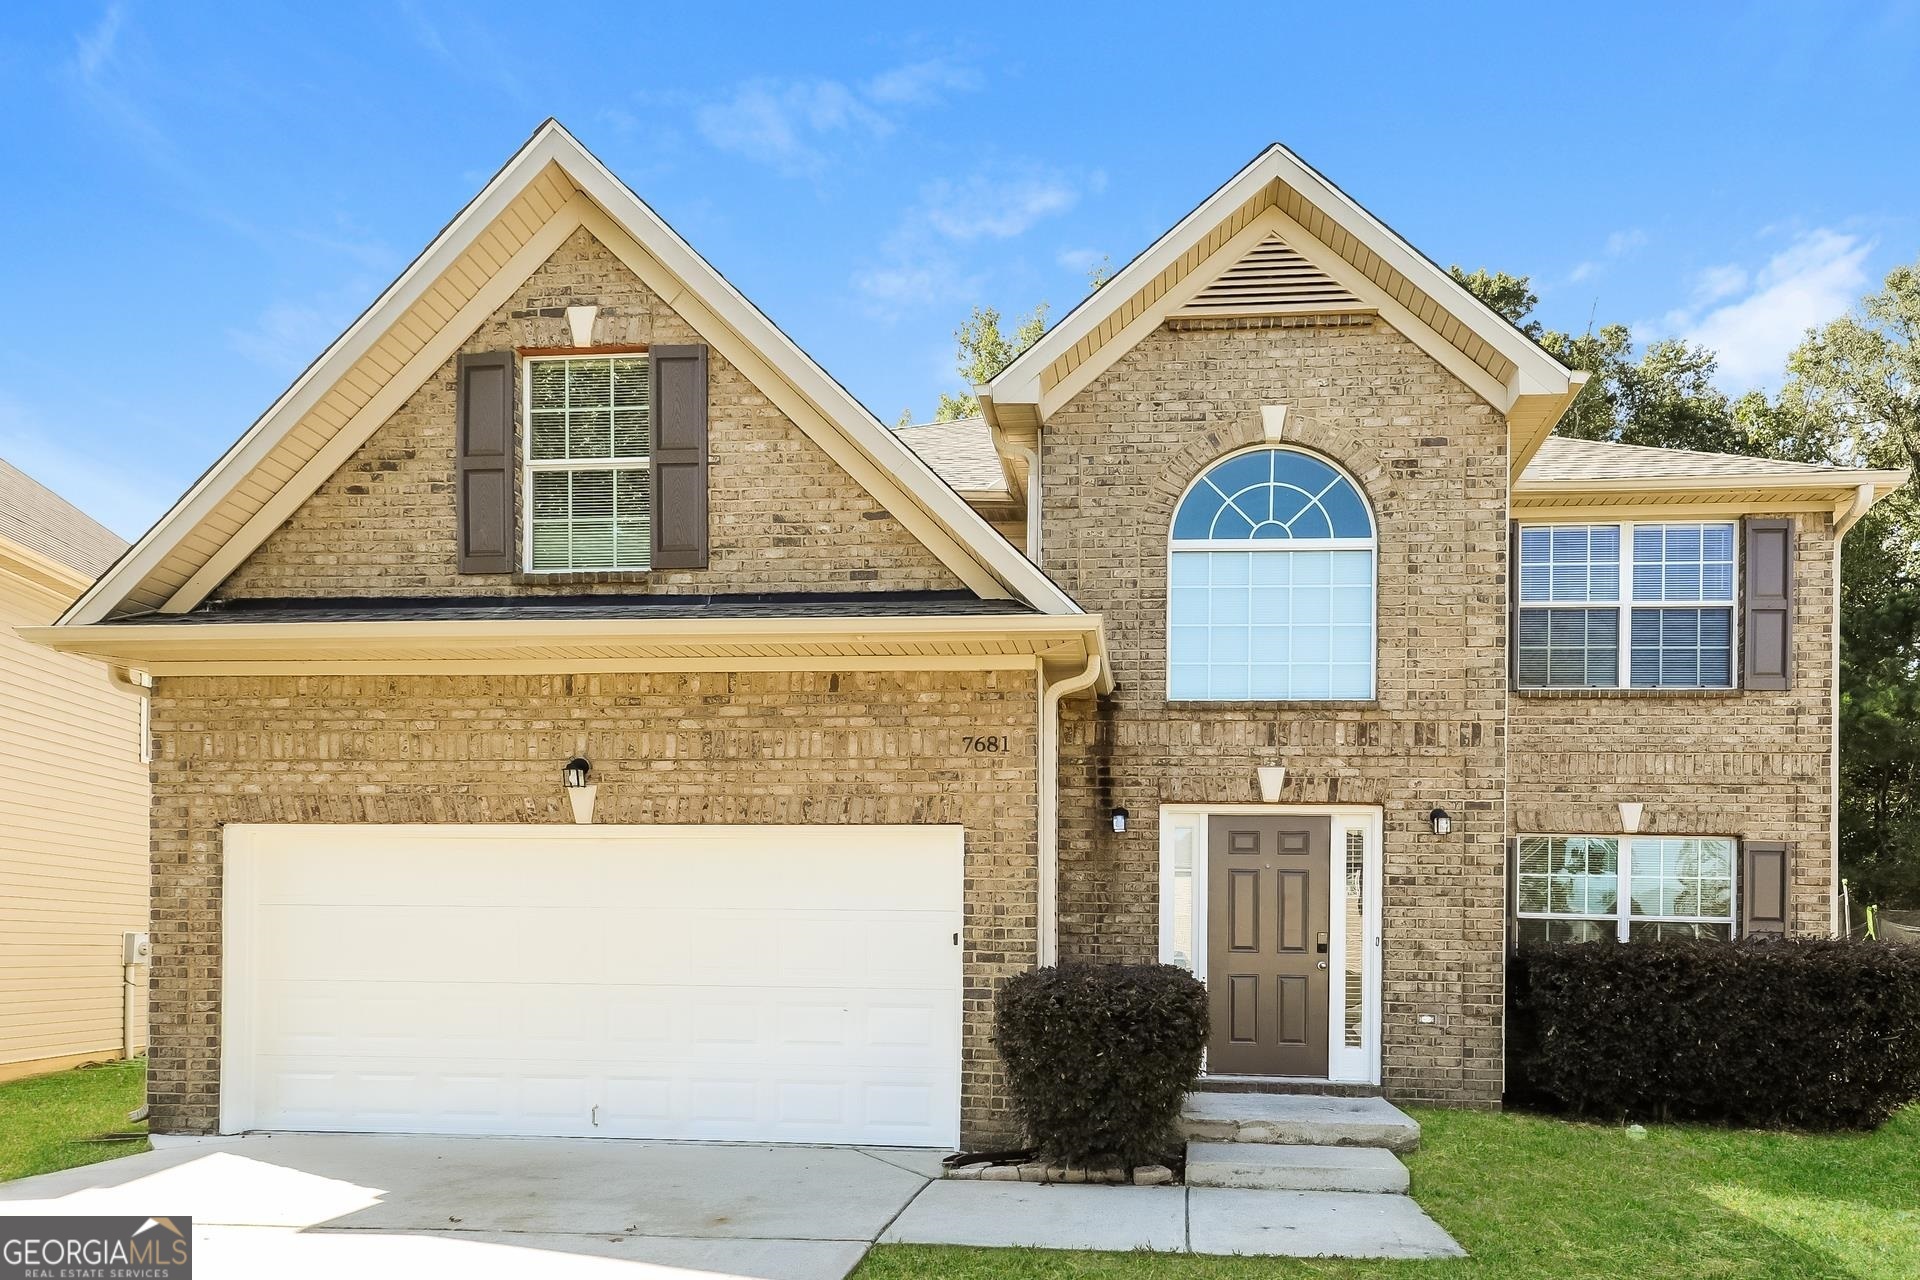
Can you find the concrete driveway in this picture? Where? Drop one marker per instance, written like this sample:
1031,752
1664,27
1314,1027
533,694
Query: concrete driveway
298,1205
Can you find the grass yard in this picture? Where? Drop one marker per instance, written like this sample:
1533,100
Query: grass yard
1536,1199
45,1121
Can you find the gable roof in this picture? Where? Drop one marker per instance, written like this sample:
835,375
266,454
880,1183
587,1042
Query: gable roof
35,517
1310,247
551,187
960,452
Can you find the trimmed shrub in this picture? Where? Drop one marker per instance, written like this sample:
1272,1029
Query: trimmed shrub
1099,1056
1809,1034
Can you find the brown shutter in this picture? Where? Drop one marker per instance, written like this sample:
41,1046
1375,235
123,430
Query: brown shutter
1763,888
483,457
1768,602
679,391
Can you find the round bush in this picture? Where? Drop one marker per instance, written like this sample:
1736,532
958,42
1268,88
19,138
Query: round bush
1100,1056
1805,1034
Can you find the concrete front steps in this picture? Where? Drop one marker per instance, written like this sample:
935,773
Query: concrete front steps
1294,1142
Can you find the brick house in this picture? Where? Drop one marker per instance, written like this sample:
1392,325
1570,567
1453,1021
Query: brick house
573,713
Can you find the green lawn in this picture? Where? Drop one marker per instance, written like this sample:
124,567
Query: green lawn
1535,1199
45,1121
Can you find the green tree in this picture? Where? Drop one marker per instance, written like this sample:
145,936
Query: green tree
1853,395
1663,396
984,348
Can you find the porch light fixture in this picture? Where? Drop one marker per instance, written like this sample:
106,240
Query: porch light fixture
580,792
1119,820
1441,821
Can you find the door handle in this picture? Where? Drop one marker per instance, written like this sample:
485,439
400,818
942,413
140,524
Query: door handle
1321,965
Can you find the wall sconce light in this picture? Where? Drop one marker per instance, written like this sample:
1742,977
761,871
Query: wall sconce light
580,792
1119,820
1441,821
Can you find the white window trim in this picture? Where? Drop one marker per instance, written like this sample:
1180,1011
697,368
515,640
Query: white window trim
529,467
1623,917
1276,545
1344,1065
1624,604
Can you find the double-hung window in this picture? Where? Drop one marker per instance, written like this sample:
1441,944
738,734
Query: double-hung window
1627,888
1645,606
588,492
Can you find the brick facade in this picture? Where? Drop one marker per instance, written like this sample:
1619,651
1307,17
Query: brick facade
783,516
1752,764
763,748
1432,459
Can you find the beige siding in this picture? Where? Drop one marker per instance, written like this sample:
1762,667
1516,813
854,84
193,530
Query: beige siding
73,844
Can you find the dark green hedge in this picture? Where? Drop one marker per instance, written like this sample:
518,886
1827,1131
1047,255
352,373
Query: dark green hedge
1812,1034
1099,1056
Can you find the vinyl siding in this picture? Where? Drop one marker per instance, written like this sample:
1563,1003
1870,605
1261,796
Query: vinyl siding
73,845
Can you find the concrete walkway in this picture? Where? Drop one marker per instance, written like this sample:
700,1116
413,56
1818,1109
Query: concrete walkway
298,1205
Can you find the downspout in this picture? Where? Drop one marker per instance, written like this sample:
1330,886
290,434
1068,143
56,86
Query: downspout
1050,696
140,685
1849,516
1843,520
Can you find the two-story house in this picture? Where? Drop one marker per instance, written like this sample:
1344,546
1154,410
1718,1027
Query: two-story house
573,713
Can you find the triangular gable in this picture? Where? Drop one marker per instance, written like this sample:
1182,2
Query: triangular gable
1283,226
552,187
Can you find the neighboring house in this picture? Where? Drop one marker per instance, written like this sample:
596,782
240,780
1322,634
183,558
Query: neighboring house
73,805
564,527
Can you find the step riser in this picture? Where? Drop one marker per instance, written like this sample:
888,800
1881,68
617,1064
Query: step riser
1365,1170
1384,1182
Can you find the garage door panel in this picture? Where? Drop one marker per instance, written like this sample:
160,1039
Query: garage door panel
760,984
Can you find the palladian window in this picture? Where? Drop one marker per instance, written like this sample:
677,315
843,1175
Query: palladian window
1271,591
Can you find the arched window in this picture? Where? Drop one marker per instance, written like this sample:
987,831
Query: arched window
1271,583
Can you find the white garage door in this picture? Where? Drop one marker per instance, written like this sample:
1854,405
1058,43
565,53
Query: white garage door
793,984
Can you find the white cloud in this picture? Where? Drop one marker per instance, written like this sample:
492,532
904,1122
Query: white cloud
288,336
788,123
1082,260
94,48
918,83
1752,323
995,207
1618,245
914,282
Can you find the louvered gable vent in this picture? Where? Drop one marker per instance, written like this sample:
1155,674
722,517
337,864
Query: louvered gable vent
1272,277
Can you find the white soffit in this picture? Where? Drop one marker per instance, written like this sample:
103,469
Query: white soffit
550,188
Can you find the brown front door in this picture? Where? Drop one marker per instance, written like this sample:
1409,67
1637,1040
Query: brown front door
1267,945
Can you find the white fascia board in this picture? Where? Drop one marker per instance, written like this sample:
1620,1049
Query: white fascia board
219,480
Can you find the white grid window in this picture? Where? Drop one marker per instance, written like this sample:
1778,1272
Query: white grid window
588,492
1628,888
1645,605
1271,583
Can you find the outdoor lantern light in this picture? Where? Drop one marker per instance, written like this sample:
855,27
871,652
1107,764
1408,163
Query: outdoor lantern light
1119,819
580,792
1442,822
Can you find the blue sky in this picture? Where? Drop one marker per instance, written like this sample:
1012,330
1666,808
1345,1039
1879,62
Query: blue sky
202,197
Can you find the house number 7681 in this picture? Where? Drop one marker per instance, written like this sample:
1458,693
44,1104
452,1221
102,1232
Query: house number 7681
996,742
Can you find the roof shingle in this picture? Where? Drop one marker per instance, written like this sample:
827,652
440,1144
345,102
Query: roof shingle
41,520
1563,459
960,452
